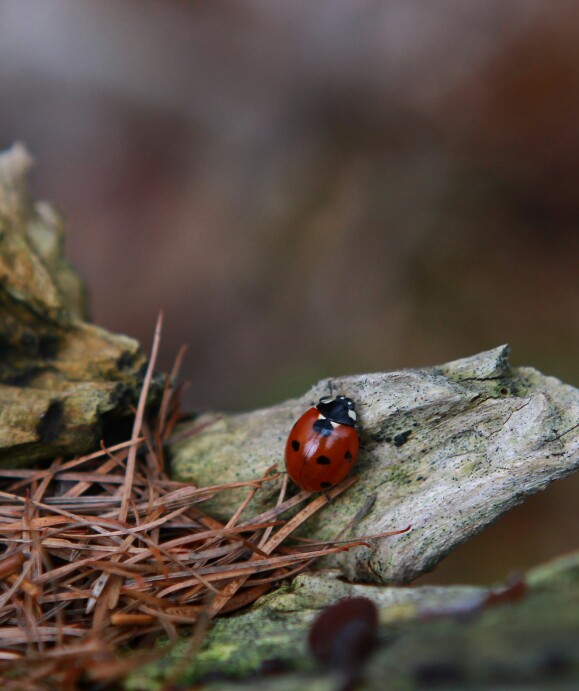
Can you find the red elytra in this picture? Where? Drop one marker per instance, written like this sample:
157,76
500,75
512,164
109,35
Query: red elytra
323,444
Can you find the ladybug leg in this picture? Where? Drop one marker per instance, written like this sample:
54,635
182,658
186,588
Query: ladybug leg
328,497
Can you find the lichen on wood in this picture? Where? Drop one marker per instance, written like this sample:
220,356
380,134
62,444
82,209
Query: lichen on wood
446,449
60,376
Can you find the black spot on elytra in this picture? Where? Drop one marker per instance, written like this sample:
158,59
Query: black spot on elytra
325,485
51,423
323,460
323,427
402,438
348,456
295,445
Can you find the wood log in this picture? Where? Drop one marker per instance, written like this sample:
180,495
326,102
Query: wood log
447,450
62,379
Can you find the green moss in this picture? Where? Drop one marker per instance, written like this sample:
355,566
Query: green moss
534,640
398,475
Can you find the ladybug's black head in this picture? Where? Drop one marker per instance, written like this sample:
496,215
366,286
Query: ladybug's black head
339,409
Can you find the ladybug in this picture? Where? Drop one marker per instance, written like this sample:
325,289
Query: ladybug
323,444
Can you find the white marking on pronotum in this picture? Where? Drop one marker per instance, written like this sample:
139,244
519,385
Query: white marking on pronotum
352,414
323,417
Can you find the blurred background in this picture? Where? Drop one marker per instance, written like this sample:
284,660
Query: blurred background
317,188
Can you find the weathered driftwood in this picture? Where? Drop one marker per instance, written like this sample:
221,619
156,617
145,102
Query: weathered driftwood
443,636
60,377
447,450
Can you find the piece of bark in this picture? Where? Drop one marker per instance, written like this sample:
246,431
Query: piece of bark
61,378
447,450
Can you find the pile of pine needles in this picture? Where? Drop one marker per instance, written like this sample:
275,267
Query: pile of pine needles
105,552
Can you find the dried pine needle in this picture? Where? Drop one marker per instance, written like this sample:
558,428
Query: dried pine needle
105,550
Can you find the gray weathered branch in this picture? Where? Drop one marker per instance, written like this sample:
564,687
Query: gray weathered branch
447,450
